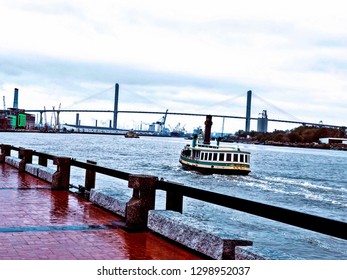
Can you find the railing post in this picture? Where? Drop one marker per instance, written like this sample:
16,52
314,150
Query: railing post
174,201
61,178
89,182
43,160
5,152
26,156
143,200
90,177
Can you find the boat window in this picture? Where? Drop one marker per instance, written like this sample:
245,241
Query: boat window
215,156
228,157
241,158
202,156
236,157
247,158
186,153
221,157
206,155
210,156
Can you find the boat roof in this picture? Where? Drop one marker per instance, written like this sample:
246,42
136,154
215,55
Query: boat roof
213,148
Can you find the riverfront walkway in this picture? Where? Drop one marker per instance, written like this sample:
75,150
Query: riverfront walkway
39,223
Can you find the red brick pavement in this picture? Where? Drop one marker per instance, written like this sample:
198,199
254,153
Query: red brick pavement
39,223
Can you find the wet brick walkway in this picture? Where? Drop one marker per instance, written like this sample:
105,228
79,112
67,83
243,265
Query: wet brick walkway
39,223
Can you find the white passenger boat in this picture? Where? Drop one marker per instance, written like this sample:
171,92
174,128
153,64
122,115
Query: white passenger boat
214,159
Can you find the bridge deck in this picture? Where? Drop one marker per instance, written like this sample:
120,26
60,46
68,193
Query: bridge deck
37,222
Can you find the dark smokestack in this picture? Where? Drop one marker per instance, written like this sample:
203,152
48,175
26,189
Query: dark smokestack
208,125
248,111
15,99
77,119
115,113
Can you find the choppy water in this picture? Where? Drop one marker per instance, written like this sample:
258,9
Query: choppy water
307,180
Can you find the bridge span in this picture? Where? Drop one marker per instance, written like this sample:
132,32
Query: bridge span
179,113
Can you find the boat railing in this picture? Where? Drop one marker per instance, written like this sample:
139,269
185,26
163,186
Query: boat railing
208,146
145,186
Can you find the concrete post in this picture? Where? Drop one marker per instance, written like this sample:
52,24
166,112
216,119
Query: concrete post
115,113
143,200
6,149
5,152
90,177
248,111
43,160
174,201
61,178
26,156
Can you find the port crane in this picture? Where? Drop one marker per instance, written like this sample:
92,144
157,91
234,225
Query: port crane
162,122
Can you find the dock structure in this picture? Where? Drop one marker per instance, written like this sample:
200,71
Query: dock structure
44,216
40,222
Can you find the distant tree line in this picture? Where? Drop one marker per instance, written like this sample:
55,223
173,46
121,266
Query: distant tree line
302,134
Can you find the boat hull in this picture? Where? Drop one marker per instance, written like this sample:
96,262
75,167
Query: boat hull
205,158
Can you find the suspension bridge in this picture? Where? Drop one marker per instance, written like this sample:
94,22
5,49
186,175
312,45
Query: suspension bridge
115,113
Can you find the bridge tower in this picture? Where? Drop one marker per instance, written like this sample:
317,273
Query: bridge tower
115,113
248,111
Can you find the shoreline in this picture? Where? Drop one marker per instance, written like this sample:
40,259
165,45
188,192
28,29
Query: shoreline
339,147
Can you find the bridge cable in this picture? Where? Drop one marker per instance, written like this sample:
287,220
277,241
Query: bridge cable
223,102
125,89
277,108
89,97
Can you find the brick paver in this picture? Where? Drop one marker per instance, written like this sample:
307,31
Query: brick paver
39,223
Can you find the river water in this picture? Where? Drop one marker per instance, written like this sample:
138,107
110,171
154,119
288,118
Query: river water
307,180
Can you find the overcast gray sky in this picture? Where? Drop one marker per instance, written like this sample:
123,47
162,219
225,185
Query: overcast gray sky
185,56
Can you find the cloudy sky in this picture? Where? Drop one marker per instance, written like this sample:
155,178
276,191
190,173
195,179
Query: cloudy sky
185,56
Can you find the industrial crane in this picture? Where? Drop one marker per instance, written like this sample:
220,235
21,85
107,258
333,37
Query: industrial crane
162,122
